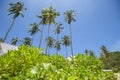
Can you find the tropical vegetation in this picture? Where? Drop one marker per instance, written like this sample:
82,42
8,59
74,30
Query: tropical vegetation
33,64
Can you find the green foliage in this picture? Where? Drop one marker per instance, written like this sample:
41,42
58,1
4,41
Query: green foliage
115,61
29,63
111,60
16,9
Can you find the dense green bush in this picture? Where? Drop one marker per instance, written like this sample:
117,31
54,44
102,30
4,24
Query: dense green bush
29,63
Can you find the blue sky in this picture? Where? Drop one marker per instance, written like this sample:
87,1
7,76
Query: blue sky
97,22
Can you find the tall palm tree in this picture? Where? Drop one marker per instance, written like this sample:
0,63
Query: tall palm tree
33,30
43,22
50,41
69,18
15,9
57,46
27,41
14,40
66,42
51,15
57,32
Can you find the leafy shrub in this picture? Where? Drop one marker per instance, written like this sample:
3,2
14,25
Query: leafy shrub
30,63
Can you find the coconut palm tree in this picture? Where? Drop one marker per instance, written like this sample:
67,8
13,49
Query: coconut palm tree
33,30
105,51
57,46
58,29
66,42
43,22
27,41
50,41
51,15
57,32
69,18
14,40
15,9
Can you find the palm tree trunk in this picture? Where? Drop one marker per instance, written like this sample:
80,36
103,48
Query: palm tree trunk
47,40
41,37
57,37
66,52
9,30
56,48
32,39
71,40
48,50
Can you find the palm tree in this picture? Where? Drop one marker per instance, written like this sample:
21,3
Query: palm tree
43,22
66,42
15,9
33,30
105,51
27,41
50,41
14,40
57,46
69,17
51,15
58,29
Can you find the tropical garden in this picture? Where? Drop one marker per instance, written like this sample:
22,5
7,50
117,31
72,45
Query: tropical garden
36,63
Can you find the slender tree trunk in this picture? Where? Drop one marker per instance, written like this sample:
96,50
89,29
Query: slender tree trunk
56,48
71,40
9,30
47,40
66,52
57,37
48,50
32,39
41,37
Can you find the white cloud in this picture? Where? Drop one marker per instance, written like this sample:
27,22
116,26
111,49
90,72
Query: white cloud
116,46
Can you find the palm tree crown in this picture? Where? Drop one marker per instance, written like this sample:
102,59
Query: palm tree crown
66,40
69,16
16,9
43,16
50,41
34,28
51,15
27,41
14,40
57,46
58,28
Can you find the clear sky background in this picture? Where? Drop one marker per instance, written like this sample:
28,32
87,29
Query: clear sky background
97,22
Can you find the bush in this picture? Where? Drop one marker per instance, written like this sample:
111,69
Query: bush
30,63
